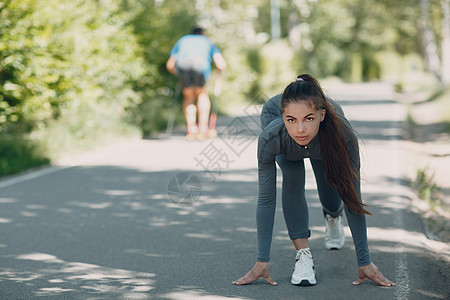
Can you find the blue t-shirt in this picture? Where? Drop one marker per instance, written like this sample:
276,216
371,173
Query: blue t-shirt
196,46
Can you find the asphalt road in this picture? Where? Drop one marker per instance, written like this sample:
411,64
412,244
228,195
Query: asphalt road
172,219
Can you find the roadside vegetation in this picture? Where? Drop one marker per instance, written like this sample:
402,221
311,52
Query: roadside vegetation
19,154
434,209
427,189
435,213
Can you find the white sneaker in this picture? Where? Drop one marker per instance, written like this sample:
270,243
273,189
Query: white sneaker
334,235
304,273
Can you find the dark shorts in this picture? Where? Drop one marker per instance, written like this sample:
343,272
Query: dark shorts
192,78
191,72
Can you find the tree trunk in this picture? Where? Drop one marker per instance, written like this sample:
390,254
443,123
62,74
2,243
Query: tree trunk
294,33
275,19
446,42
432,62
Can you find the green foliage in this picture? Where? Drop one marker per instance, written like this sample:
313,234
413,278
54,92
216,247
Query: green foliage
277,71
255,62
18,154
55,52
442,101
66,63
426,188
343,37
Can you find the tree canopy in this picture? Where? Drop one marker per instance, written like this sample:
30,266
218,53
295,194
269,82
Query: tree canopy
75,60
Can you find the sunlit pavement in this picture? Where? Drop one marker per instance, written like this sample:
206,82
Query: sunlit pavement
172,219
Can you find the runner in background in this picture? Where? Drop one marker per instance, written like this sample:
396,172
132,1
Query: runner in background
191,59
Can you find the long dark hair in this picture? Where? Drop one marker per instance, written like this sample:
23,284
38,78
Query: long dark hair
340,173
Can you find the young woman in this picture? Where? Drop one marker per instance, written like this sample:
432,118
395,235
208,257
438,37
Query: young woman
304,123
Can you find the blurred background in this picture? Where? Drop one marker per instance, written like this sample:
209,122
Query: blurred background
81,73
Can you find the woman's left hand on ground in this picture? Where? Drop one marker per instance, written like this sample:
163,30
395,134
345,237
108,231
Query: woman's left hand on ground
371,272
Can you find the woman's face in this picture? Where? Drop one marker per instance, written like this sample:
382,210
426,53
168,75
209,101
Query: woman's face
302,121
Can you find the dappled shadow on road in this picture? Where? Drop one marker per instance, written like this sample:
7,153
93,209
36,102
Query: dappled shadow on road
423,133
379,130
107,232
112,232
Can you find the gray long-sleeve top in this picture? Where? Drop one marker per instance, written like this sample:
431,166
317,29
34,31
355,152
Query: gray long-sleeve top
274,140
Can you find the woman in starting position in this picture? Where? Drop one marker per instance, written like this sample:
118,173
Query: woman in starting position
304,123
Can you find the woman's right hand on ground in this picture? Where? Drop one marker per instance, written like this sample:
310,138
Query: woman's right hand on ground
260,270
371,272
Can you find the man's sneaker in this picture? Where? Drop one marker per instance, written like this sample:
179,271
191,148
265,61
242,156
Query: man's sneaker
334,235
304,268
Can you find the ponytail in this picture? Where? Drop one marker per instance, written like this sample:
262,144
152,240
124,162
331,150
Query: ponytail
340,173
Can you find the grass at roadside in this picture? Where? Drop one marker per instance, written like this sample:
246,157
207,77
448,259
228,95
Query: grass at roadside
429,121
18,154
78,130
434,212
444,102
427,189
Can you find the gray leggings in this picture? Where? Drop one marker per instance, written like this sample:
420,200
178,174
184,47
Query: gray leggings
295,208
